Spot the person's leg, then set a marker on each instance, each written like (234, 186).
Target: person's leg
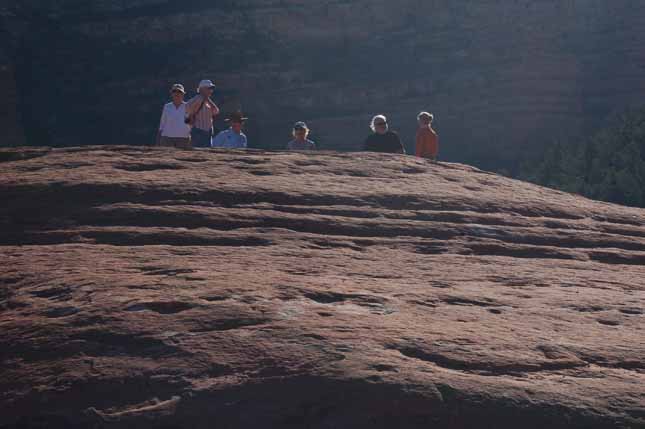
(196, 137)
(183, 143)
(166, 142)
(200, 138)
(204, 138)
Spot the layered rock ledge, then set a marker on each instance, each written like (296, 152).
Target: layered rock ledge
(167, 289)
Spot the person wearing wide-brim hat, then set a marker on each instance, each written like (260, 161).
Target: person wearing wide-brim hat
(173, 130)
(233, 138)
(201, 111)
(300, 140)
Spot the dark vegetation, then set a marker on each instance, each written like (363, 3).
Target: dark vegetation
(608, 166)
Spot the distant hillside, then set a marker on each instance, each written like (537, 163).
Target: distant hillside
(503, 78)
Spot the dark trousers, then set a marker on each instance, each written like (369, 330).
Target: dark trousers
(201, 138)
(178, 142)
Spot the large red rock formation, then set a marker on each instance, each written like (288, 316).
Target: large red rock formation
(167, 289)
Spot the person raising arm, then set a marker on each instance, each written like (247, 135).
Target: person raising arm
(201, 113)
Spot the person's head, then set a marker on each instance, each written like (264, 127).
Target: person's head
(177, 93)
(206, 88)
(425, 119)
(300, 131)
(379, 124)
(236, 126)
(236, 121)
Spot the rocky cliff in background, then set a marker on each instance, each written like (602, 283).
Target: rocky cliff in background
(503, 77)
(169, 290)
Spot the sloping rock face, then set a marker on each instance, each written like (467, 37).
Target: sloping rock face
(504, 78)
(167, 289)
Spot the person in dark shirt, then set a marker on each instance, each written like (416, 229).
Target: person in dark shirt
(382, 139)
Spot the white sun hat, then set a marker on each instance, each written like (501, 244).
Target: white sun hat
(205, 84)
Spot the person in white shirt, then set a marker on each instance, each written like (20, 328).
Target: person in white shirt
(173, 130)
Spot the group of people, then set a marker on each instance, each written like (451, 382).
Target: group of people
(385, 140)
(187, 124)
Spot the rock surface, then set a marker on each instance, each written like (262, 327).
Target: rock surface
(504, 78)
(167, 289)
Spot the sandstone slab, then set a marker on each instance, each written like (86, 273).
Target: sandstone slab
(168, 289)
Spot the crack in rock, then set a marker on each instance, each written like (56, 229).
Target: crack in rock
(489, 367)
(162, 307)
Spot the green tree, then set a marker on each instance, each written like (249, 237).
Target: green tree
(609, 166)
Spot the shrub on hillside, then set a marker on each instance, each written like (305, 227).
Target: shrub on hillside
(609, 166)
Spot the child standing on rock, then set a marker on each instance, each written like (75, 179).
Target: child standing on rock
(427, 140)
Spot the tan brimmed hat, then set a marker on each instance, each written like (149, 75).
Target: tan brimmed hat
(178, 87)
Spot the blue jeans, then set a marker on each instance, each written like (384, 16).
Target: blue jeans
(201, 138)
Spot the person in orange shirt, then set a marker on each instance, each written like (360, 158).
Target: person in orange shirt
(427, 139)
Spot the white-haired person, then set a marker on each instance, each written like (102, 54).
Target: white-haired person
(300, 140)
(173, 130)
(382, 139)
(427, 145)
(201, 111)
